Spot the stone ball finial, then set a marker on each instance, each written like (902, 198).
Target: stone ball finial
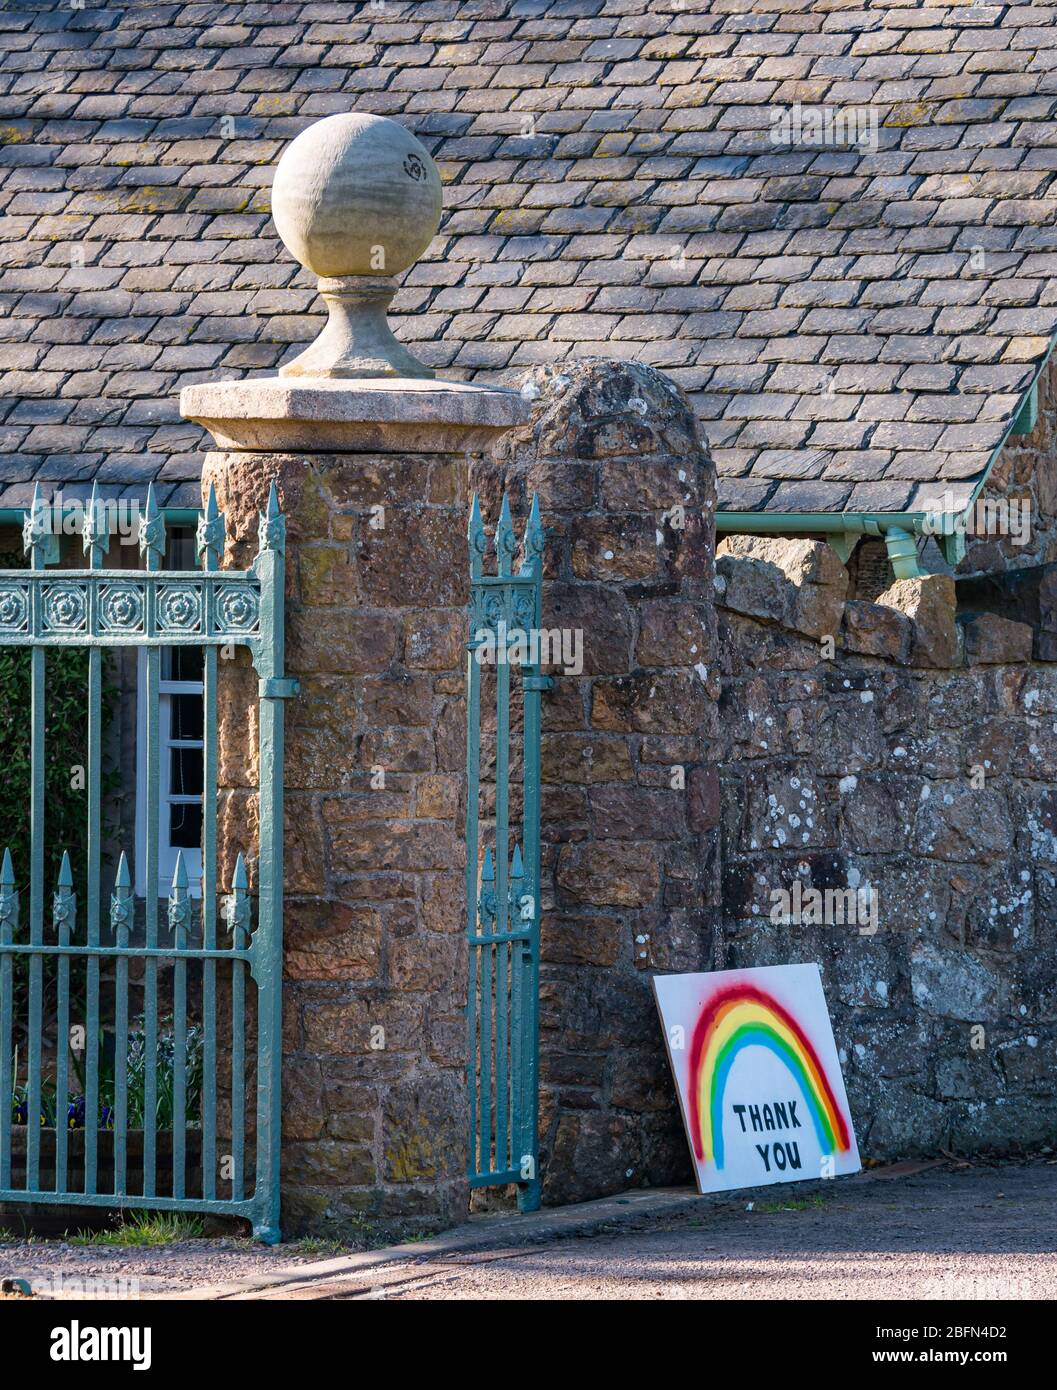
(356, 195)
(356, 199)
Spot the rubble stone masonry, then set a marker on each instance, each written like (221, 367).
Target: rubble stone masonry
(906, 748)
(915, 756)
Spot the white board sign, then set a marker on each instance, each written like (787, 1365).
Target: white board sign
(758, 1077)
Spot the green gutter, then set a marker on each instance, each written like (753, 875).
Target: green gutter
(781, 523)
(842, 530)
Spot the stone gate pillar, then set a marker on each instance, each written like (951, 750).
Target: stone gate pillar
(371, 470)
(630, 794)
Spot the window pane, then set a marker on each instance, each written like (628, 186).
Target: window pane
(185, 827)
(186, 716)
(180, 552)
(186, 772)
(181, 663)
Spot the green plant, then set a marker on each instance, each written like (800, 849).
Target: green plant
(165, 1076)
(20, 1097)
(317, 1245)
(791, 1204)
(165, 1080)
(144, 1228)
(136, 1076)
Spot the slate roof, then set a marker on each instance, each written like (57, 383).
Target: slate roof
(856, 326)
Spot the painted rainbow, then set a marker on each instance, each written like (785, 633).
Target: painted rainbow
(743, 1016)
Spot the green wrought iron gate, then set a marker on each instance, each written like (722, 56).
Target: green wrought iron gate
(503, 880)
(131, 1037)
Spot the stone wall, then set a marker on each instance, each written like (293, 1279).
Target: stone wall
(737, 725)
(630, 797)
(374, 1041)
(913, 754)
(921, 760)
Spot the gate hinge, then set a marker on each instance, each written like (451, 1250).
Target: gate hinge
(279, 688)
(538, 682)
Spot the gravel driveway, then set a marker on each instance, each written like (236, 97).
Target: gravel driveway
(54, 1268)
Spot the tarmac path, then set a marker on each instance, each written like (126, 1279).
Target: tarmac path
(976, 1233)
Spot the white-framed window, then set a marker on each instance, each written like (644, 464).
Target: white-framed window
(181, 714)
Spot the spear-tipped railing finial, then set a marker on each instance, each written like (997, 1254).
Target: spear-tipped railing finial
(505, 539)
(121, 902)
(517, 879)
(179, 877)
(152, 531)
(179, 902)
(477, 537)
(237, 907)
(271, 528)
(211, 533)
(532, 549)
(8, 898)
(95, 532)
(38, 539)
(486, 901)
(63, 905)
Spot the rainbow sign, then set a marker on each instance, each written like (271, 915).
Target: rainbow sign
(759, 1082)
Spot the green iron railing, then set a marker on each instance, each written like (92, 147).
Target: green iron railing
(82, 978)
(503, 882)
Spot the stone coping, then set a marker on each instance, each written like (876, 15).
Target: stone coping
(384, 415)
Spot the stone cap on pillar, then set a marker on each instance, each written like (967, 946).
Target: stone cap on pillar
(393, 415)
